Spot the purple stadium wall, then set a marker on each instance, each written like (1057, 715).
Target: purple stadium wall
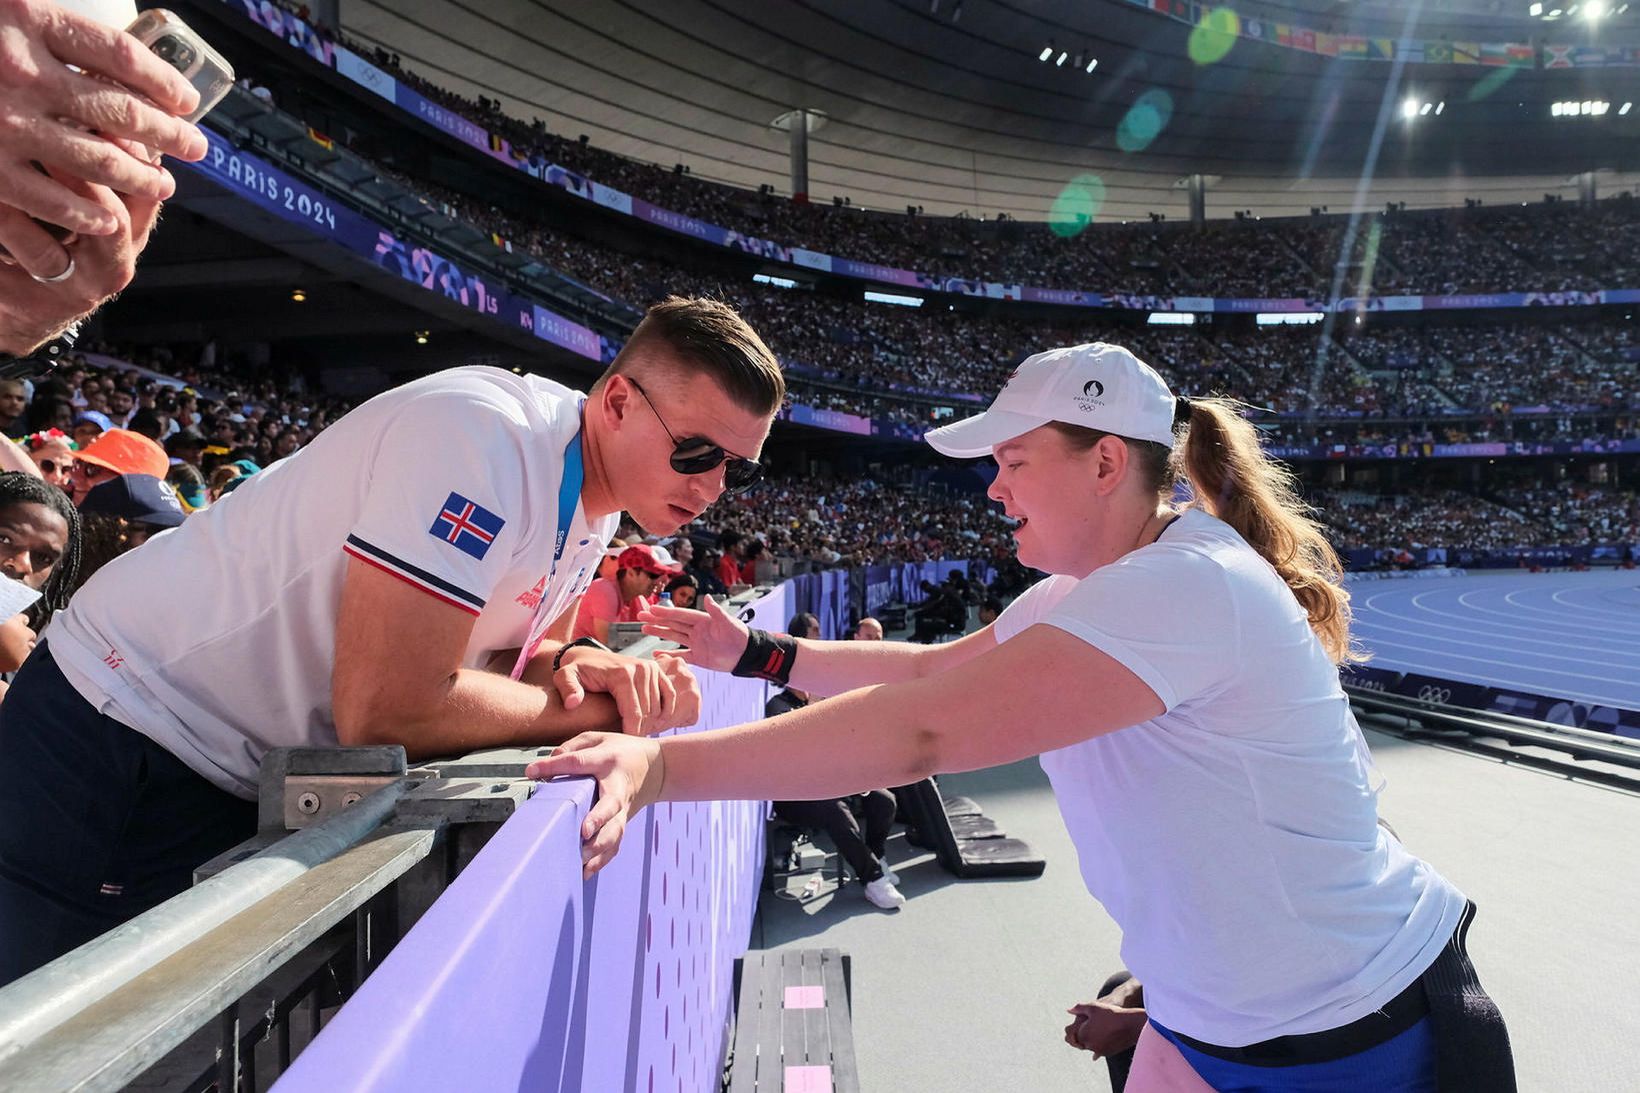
(522, 977)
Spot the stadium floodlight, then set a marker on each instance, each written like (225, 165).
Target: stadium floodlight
(1093, 63)
(777, 282)
(1535, 10)
(1600, 108)
(1556, 109)
(1425, 109)
(893, 298)
(1063, 57)
(1172, 318)
(1409, 108)
(1047, 51)
(1571, 10)
(1625, 108)
(1594, 10)
(1555, 14)
(1288, 318)
(1439, 107)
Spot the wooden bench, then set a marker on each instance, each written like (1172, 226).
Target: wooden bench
(793, 1031)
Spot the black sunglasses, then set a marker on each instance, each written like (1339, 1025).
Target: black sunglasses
(697, 455)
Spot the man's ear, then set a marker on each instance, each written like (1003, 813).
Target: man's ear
(612, 400)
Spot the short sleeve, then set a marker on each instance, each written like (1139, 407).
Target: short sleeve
(445, 506)
(1031, 607)
(601, 601)
(1167, 616)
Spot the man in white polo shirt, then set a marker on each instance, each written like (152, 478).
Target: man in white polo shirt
(381, 586)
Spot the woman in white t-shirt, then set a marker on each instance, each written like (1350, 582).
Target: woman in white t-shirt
(1178, 675)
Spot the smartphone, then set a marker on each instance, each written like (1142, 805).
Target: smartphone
(176, 43)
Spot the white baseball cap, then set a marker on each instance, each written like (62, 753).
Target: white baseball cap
(1097, 386)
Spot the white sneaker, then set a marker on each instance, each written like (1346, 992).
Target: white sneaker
(888, 872)
(883, 893)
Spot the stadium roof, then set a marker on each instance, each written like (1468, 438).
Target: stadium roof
(945, 103)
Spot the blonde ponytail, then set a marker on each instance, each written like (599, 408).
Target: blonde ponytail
(1235, 481)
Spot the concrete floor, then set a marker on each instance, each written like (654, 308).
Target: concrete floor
(964, 990)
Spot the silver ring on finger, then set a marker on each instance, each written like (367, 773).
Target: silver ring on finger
(60, 278)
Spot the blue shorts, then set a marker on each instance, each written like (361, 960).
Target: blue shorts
(1403, 1064)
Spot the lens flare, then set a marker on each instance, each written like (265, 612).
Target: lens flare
(1144, 121)
(1077, 205)
(1492, 81)
(1214, 37)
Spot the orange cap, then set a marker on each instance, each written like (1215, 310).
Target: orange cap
(125, 452)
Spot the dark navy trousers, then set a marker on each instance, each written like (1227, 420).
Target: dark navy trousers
(97, 822)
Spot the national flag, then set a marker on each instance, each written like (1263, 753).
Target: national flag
(1252, 28)
(1466, 53)
(1284, 34)
(1410, 51)
(1494, 53)
(320, 139)
(1438, 53)
(1380, 49)
(1326, 44)
(1520, 53)
(1304, 38)
(1352, 47)
(467, 526)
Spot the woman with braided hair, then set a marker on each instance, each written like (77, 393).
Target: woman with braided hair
(39, 541)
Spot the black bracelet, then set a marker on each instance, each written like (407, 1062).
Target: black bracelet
(767, 656)
(558, 658)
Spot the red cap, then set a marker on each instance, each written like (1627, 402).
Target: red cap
(642, 557)
(125, 452)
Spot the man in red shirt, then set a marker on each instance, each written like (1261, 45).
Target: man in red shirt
(639, 577)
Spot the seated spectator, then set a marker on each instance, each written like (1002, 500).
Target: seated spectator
(840, 816)
(53, 453)
(40, 541)
(49, 413)
(639, 577)
(186, 445)
(731, 567)
(123, 512)
(869, 629)
(13, 406)
(705, 571)
(116, 452)
(684, 589)
(216, 485)
(88, 426)
(189, 485)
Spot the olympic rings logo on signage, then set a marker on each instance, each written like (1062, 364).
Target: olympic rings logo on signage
(1439, 696)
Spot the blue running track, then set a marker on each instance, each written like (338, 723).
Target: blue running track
(1563, 635)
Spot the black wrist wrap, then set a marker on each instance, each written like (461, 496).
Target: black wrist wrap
(767, 656)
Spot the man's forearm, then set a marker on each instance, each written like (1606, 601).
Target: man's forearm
(487, 710)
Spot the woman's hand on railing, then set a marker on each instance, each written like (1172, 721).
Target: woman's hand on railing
(712, 638)
(630, 772)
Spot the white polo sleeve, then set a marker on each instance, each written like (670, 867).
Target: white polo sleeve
(445, 510)
(1031, 607)
(1167, 616)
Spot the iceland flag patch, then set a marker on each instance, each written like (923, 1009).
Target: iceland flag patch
(466, 526)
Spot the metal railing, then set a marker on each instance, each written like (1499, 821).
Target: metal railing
(1508, 737)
